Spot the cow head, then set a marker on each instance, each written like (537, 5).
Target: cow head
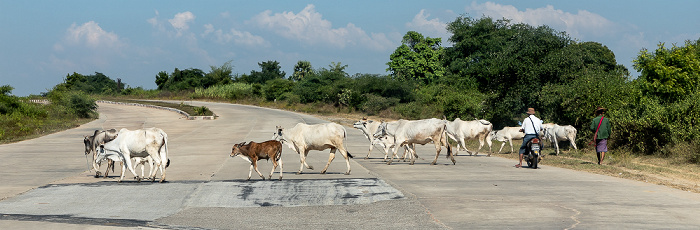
(278, 133)
(236, 150)
(360, 124)
(88, 144)
(381, 130)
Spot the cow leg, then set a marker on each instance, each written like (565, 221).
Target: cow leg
(502, 144)
(274, 166)
(511, 145)
(556, 144)
(303, 160)
(488, 141)
(250, 172)
(396, 149)
(347, 159)
(95, 164)
(331, 156)
(255, 166)
(573, 142)
(371, 146)
(129, 165)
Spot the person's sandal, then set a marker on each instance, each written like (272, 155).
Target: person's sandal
(518, 166)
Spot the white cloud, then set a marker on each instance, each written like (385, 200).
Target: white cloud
(308, 26)
(428, 27)
(578, 25)
(242, 38)
(180, 22)
(91, 35)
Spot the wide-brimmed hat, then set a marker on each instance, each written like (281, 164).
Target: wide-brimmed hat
(531, 111)
(600, 109)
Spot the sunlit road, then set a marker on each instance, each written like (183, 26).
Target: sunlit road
(45, 183)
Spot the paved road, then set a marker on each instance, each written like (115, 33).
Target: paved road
(207, 189)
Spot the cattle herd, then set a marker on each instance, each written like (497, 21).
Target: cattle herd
(138, 147)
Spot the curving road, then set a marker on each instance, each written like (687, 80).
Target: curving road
(45, 183)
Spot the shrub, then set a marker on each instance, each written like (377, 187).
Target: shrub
(273, 89)
(375, 104)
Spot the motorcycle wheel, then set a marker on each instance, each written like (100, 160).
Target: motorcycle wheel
(529, 161)
(535, 160)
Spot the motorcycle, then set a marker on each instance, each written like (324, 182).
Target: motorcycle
(532, 155)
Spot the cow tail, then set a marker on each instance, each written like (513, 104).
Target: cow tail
(279, 152)
(165, 147)
(446, 142)
(345, 137)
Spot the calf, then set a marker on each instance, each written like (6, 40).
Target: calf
(368, 128)
(253, 152)
(508, 134)
(93, 142)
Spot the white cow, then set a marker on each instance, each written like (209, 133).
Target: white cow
(143, 143)
(408, 133)
(302, 138)
(368, 128)
(508, 134)
(556, 133)
(459, 131)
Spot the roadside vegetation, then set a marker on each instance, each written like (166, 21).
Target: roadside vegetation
(494, 70)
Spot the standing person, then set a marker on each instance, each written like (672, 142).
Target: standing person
(601, 126)
(531, 127)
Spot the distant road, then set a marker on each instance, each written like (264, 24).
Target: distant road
(45, 183)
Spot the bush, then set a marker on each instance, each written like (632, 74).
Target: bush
(273, 89)
(375, 104)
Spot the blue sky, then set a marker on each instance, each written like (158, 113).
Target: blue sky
(43, 41)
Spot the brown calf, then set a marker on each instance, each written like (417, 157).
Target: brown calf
(253, 152)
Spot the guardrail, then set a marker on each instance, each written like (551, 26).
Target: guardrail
(187, 116)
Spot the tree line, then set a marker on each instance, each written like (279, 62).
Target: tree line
(494, 70)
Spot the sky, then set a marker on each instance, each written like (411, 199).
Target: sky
(41, 42)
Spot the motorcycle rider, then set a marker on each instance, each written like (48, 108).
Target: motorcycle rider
(531, 127)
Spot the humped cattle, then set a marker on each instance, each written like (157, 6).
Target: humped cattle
(93, 143)
(302, 138)
(460, 131)
(556, 133)
(253, 152)
(142, 143)
(409, 133)
(368, 128)
(508, 134)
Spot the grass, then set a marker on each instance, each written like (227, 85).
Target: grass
(622, 164)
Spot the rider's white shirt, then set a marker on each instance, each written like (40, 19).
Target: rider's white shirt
(527, 125)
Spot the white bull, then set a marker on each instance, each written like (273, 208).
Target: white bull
(143, 143)
(386, 143)
(556, 133)
(460, 131)
(302, 138)
(409, 133)
(508, 134)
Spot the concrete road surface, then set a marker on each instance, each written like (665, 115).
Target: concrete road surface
(45, 183)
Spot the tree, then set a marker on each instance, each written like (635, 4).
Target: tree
(418, 58)
(504, 60)
(301, 69)
(219, 75)
(269, 70)
(161, 79)
(671, 74)
(97, 83)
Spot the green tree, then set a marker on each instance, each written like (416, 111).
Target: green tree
(504, 60)
(161, 79)
(418, 58)
(219, 75)
(671, 74)
(269, 70)
(301, 69)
